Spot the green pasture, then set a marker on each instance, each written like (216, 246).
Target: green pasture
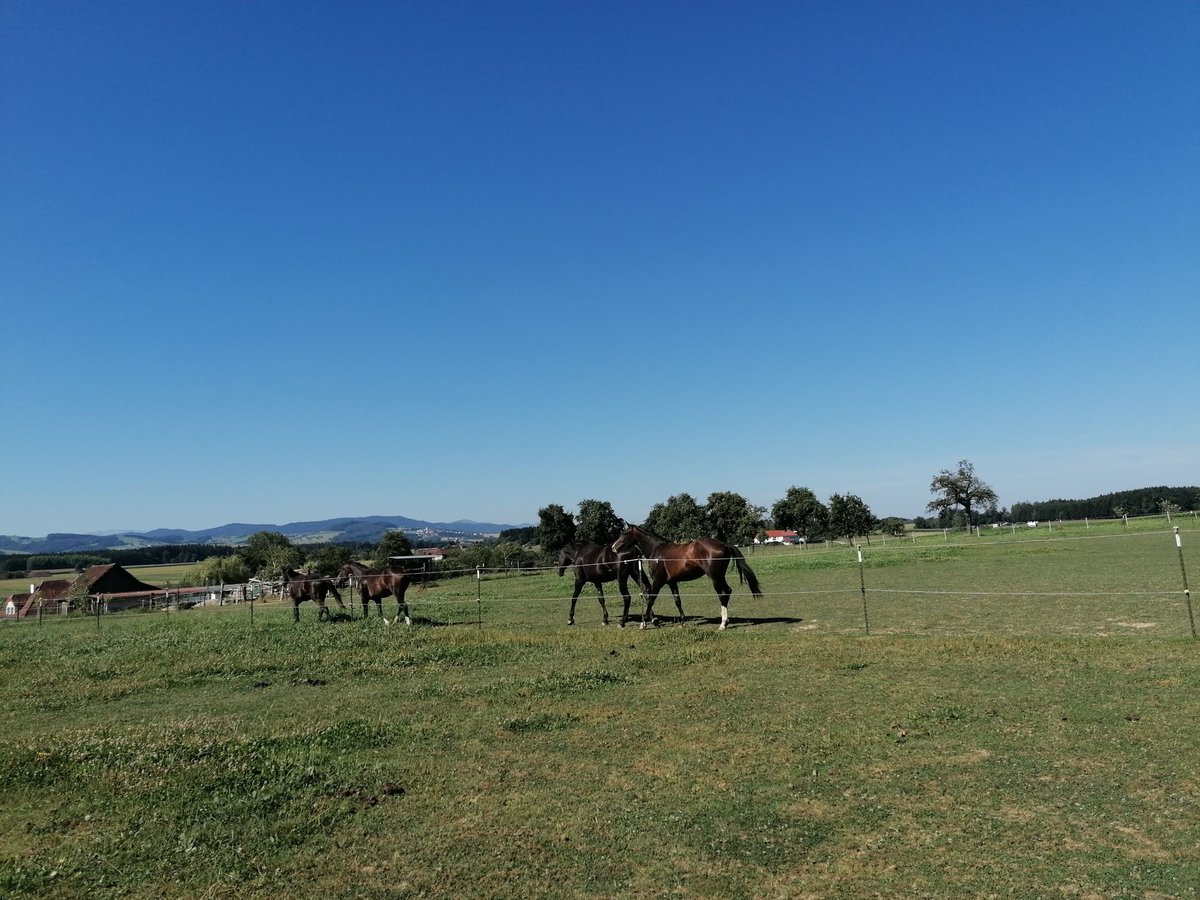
(1021, 721)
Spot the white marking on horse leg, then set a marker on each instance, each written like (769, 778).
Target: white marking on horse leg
(407, 620)
(724, 617)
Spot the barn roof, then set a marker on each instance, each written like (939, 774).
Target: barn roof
(53, 589)
(111, 579)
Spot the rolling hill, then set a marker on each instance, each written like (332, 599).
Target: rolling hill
(340, 530)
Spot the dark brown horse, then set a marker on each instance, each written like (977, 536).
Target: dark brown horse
(375, 584)
(301, 587)
(596, 564)
(673, 563)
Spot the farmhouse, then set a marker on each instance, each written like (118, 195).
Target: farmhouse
(117, 588)
(18, 606)
(780, 537)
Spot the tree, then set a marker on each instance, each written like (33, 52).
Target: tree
(268, 553)
(556, 528)
(802, 512)
(393, 543)
(732, 518)
(1169, 508)
(960, 488)
(893, 526)
(327, 559)
(78, 597)
(526, 534)
(680, 519)
(848, 515)
(597, 523)
(221, 570)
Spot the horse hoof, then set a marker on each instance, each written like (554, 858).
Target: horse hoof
(570, 621)
(643, 626)
(407, 620)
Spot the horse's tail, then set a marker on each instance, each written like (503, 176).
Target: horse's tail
(745, 573)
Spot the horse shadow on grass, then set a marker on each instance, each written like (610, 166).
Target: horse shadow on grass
(734, 622)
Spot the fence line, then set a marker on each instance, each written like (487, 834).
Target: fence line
(697, 593)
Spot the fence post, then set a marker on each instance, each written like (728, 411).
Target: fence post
(1187, 595)
(479, 596)
(862, 584)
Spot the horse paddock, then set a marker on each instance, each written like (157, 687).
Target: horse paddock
(1001, 730)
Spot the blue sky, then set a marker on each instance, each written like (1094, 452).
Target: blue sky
(274, 261)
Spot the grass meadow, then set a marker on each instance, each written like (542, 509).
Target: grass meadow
(1022, 720)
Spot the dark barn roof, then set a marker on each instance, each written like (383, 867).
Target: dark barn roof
(112, 579)
(53, 589)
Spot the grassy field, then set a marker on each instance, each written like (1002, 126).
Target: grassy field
(1022, 721)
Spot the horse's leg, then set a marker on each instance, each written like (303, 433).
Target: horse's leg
(723, 593)
(365, 596)
(678, 603)
(295, 610)
(648, 613)
(623, 587)
(401, 603)
(603, 608)
(579, 583)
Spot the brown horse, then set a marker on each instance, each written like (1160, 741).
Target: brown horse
(375, 584)
(596, 564)
(301, 587)
(673, 563)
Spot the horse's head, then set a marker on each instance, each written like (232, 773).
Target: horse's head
(566, 556)
(627, 539)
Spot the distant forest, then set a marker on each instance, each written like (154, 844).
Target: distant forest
(1142, 502)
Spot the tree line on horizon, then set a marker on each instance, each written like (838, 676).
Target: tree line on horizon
(1141, 502)
(960, 499)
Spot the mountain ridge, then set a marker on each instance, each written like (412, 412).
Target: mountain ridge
(340, 529)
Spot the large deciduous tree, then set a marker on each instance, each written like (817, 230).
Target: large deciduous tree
(850, 516)
(327, 559)
(680, 519)
(802, 512)
(597, 523)
(392, 543)
(732, 518)
(960, 488)
(221, 570)
(556, 528)
(268, 553)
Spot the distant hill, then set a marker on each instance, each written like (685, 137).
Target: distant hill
(367, 529)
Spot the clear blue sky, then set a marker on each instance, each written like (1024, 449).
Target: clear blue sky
(274, 261)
